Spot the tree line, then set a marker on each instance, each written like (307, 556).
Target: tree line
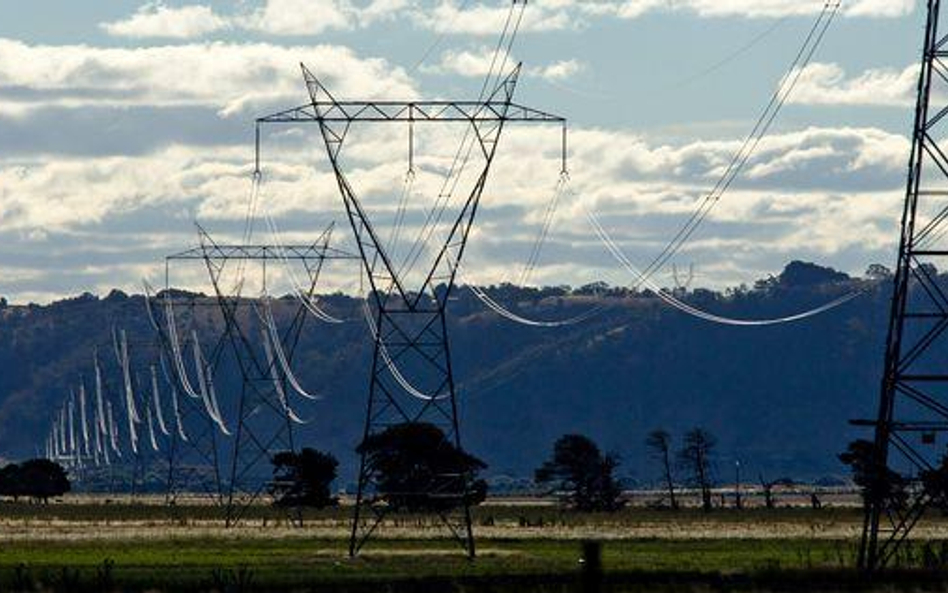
(584, 477)
(415, 467)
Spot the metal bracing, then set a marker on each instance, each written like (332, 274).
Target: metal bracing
(128, 392)
(303, 253)
(261, 424)
(193, 450)
(410, 111)
(411, 377)
(913, 401)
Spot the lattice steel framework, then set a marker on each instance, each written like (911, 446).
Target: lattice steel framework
(142, 355)
(410, 327)
(913, 402)
(263, 425)
(193, 464)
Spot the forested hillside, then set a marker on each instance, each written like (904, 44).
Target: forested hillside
(778, 398)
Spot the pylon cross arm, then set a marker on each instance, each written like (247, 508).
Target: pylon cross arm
(411, 111)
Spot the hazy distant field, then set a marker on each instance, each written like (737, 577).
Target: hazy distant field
(93, 546)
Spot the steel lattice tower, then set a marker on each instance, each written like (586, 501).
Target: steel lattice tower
(913, 402)
(192, 450)
(262, 425)
(409, 318)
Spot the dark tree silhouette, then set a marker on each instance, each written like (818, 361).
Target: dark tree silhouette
(659, 443)
(878, 272)
(42, 479)
(935, 483)
(767, 486)
(875, 482)
(303, 479)
(798, 273)
(697, 457)
(583, 473)
(10, 481)
(417, 469)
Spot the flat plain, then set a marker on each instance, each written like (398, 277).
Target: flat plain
(87, 543)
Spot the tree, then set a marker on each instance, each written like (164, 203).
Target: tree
(878, 272)
(798, 273)
(935, 483)
(10, 481)
(417, 469)
(768, 489)
(42, 479)
(875, 481)
(696, 457)
(659, 443)
(303, 479)
(581, 471)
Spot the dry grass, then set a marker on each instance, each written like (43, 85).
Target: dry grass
(152, 546)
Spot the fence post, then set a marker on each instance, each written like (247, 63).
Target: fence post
(592, 567)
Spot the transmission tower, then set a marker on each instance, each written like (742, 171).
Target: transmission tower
(193, 455)
(408, 315)
(264, 422)
(913, 402)
(133, 360)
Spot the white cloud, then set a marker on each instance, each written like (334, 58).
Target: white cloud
(881, 8)
(481, 19)
(560, 70)
(478, 63)
(314, 17)
(224, 76)
(382, 10)
(823, 190)
(155, 19)
(301, 17)
(780, 8)
(272, 17)
(470, 63)
(551, 15)
(828, 84)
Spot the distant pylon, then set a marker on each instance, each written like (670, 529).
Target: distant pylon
(262, 423)
(913, 401)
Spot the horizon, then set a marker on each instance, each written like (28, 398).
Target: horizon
(691, 287)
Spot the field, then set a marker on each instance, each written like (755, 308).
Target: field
(83, 544)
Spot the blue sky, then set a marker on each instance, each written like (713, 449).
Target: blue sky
(122, 122)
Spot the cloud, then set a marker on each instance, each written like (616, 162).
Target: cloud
(315, 17)
(881, 8)
(560, 70)
(828, 84)
(818, 192)
(226, 76)
(478, 63)
(155, 19)
(446, 16)
(480, 19)
(301, 17)
(774, 8)
(272, 17)
(382, 10)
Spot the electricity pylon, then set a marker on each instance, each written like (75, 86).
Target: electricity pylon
(913, 402)
(262, 423)
(193, 465)
(412, 380)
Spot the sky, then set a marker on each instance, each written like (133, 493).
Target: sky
(123, 123)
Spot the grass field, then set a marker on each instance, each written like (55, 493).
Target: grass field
(120, 546)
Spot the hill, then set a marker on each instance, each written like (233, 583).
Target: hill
(778, 398)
